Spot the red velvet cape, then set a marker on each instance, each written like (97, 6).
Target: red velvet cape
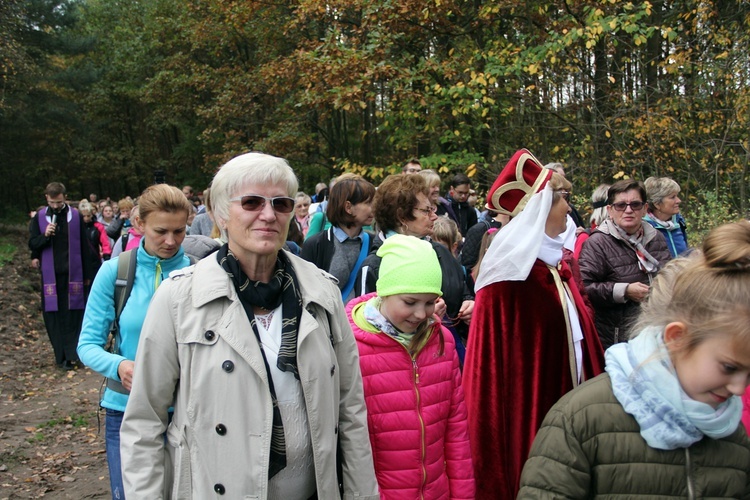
(516, 368)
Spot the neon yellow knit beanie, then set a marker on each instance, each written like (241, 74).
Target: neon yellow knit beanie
(409, 265)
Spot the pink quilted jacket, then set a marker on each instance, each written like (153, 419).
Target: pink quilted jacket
(416, 415)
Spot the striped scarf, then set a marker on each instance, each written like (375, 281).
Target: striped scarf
(282, 290)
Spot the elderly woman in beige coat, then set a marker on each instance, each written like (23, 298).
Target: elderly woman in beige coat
(253, 350)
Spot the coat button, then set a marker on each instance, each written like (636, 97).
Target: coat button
(219, 488)
(221, 429)
(227, 366)
(209, 335)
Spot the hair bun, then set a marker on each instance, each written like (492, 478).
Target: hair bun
(727, 248)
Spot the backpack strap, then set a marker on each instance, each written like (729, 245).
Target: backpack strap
(126, 265)
(362, 255)
(124, 283)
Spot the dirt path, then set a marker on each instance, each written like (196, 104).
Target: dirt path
(50, 442)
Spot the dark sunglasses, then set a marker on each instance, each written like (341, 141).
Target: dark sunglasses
(634, 205)
(565, 195)
(255, 202)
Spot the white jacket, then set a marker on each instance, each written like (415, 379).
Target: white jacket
(198, 353)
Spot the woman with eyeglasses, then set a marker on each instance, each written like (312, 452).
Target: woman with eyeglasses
(402, 206)
(620, 260)
(341, 249)
(253, 350)
(532, 337)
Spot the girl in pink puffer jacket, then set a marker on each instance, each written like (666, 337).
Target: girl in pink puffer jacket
(412, 382)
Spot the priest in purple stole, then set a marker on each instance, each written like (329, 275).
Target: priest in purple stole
(57, 240)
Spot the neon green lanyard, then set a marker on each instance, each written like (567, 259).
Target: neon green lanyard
(157, 276)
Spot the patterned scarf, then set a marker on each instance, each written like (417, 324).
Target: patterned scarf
(375, 318)
(668, 225)
(282, 290)
(646, 260)
(646, 385)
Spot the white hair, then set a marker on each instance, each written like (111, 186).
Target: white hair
(249, 168)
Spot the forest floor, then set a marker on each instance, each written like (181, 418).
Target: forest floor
(51, 435)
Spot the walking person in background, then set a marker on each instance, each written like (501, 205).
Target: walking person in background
(664, 421)
(412, 381)
(122, 222)
(96, 237)
(302, 213)
(58, 240)
(341, 249)
(664, 212)
(132, 238)
(456, 206)
(252, 349)
(163, 213)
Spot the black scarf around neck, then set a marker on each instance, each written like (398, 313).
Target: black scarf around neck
(282, 290)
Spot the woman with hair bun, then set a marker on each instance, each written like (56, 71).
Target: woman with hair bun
(664, 421)
(163, 218)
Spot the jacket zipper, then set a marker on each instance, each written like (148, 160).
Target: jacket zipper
(421, 428)
(688, 469)
(617, 334)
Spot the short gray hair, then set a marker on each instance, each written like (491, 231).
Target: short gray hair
(301, 195)
(658, 188)
(249, 168)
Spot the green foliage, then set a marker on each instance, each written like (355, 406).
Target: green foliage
(100, 94)
(706, 212)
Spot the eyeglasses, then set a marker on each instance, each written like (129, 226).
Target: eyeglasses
(634, 205)
(255, 202)
(565, 195)
(427, 211)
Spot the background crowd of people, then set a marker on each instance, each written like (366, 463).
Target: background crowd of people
(399, 342)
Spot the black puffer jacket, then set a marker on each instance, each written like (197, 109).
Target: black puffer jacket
(588, 447)
(608, 264)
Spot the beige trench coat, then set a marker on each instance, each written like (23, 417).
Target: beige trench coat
(198, 353)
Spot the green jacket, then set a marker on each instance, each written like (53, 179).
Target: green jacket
(588, 447)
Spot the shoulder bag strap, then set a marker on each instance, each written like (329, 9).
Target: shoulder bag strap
(362, 255)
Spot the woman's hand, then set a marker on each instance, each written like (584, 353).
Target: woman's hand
(467, 308)
(125, 372)
(440, 307)
(636, 292)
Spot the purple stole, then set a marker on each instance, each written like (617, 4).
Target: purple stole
(75, 265)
